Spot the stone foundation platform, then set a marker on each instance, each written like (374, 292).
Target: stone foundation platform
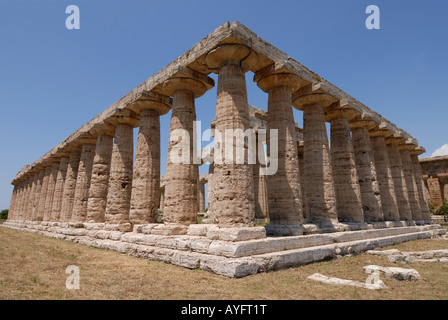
(230, 252)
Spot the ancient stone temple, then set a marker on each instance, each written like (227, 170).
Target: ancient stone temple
(435, 176)
(279, 195)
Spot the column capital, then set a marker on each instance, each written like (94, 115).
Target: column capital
(380, 130)
(151, 100)
(103, 128)
(231, 53)
(312, 94)
(276, 75)
(395, 138)
(341, 109)
(123, 116)
(418, 150)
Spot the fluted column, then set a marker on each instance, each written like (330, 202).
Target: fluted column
(33, 195)
(418, 176)
(20, 196)
(99, 182)
(396, 165)
(365, 165)
(59, 189)
(12, 203)
(43, 194)
(29, 183)
(283, 187)
(146, 178)
(233, 189)
(201, 197)
(444, 180)
(384, 175)
(50, 190)
(120, 179)
(345, 176)
(38, 194)
(81, 195)
(411, 184)
(68, 195)
(320, 195)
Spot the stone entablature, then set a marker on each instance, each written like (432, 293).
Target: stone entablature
(435, 175)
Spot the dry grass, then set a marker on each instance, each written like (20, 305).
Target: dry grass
(33, 267)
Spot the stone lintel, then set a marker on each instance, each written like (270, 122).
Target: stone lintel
(235, 53)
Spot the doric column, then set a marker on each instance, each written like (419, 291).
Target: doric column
(283, 187)
(50, 190)
(99, 182)
(81, 195)
(384, 174)
(320, 194)
(418, 176)
(59, 189)
(181, 189)
(209, 216)
(301, 174)
(20, 196)
(233, 189)
(120, 179)
(411, 184)
(12, 204)
(146, 178)
(444, 180)
(396, 166)
(35, 210)
(345, 176)
(43, 193)
(68, 195)
(29, 184)
(33, 195)
(365, 165)
(201, 196)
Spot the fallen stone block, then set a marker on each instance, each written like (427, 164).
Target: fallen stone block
(395, 273)
(336, 281)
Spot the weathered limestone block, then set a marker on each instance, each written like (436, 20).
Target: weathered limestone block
(59, 189)
(146, 176)
(283, 187)
(384, 175)
(81, 195)
(365, 165)
(70, 185)
(337, 281)
(418, 176)
(401, 191)
(120, 179)
(233, 190)
(345, 176)
(99, 182)
(320, 194)
(411, 184)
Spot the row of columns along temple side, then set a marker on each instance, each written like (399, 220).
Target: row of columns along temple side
(364, 174)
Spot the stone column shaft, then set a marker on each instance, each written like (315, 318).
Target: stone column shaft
(59, 190)
(233, 190)
(70, 186)
(43, 194)
(99, 182)
(401, 192)
(81, 195)
(181, 189)
(411, 185)
(146, 177)
(385, 180)
(418, 176)
(201, 197)
(50, 191)
(345, 176)
(12, 203)
(319, 185)
(120, 179)
(35, 211)
(370, 193)
(33, 195)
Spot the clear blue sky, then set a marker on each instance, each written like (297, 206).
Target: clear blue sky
(53, 80)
